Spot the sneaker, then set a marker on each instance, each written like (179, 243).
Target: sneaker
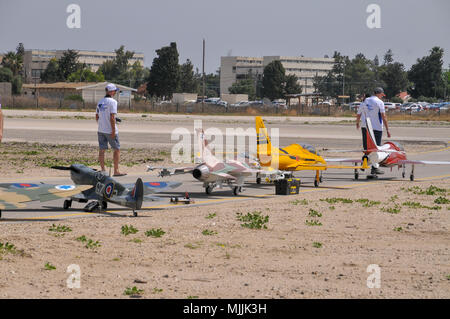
(376, 171)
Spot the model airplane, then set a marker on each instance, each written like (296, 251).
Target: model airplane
(212, 171)
(390, 154)
(14, 195)
(103, 189)
(295, 157)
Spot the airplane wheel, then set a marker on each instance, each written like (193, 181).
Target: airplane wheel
(356, 175)
(316, 183)
(237, 190)
(258, 180)
(403, 175)
(411, 177)
(208, 189)
(135, 213)
(104, 205)
(67, 204)
(320, 179)
(0, 214)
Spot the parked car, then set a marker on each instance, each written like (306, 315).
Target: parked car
(389, 106)
(279, 103)
(222, 103)
(240, 104)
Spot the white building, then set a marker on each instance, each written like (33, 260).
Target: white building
(235, 68)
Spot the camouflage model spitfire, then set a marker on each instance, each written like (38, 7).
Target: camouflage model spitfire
(14, 195)
(212, 171)
(103, 189)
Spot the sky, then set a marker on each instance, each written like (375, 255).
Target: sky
(231, 27)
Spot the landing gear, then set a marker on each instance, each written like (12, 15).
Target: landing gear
(0, 214)
(104, 205)
(208, 189)
(318, 179)
(67, 204)
(258, 178)
(90, 207)
(411, 177)
(356, 173)
(237, 190)
(135, 213)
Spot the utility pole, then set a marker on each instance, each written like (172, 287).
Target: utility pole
(203, 71)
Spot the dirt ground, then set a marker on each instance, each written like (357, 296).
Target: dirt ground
(316, 245)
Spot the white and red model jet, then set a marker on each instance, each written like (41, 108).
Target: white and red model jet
(390, 154)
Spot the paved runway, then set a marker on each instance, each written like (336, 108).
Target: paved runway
(148, 133)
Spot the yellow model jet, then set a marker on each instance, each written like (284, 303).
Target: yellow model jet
(295, 157)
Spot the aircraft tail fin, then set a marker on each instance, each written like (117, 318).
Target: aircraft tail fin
(263, 144)
(205, 153)
(136, 196)
(370, 137)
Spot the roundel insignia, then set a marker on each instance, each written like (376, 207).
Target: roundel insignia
(24, 185)
(156, 184)
(109, 190)
(65, 187)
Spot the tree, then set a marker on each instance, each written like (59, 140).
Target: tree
(86, 75)
(274, 80)
(68, 64)
(292, 86)
(13, 62)
(51, 73)
(164, 73)
(188, 82)
(6, 75)
(393, 75)
(245, 86)
(426, 75)
(388, 57)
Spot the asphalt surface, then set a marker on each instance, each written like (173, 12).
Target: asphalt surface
(147, 133)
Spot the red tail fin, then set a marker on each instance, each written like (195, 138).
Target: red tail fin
(370, 137)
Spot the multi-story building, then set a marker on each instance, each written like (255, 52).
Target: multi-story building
(36, 61)
(234, 68)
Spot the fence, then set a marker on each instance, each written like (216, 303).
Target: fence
(21, 102)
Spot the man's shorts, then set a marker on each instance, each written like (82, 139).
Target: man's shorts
(105, 138)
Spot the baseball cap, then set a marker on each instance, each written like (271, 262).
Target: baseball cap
(379, 90)
(111, 87)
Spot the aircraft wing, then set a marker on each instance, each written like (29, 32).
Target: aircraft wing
(13, 195)
(343, 160)
(167, 171)
(423, 162)
(155, 187)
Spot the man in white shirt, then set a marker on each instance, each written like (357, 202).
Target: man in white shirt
(373, 107)
(107, 128)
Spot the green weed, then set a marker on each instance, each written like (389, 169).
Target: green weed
(60, 228)
(127, 230)
(207, 232)
(441, 200)
(155, 232)
(335, 200)
(211, 216)
(314, 213)
(317, 245)
(300, 202)
(253, 220)
(313, 223)
(49, 266)
(134, 291)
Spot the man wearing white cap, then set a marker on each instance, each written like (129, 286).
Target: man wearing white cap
(108, 132)
(373, 107)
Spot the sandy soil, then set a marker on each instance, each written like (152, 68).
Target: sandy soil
(411, 247)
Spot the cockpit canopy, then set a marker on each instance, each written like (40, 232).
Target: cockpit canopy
(309, 148)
